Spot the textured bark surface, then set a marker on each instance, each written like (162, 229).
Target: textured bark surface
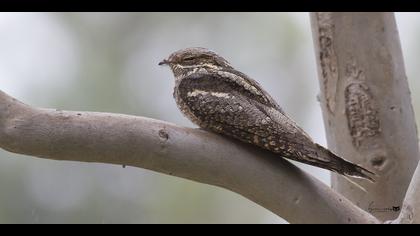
(366, 105)
(194, 154)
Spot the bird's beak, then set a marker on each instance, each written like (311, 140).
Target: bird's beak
(164, 62)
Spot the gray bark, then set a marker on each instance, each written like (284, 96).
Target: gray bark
(410, 213)
(194, 154)
(366, 105)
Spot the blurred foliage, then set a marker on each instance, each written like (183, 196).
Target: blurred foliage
(108, 62)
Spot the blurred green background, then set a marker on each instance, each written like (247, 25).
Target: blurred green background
(108, 62)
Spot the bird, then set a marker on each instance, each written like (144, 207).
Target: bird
(215, 96)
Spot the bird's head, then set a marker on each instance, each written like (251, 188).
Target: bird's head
(190, 60)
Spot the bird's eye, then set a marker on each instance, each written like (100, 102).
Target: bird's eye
(188, 58)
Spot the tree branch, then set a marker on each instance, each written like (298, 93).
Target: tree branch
(366, 104)
(410, 212)
(194, 154)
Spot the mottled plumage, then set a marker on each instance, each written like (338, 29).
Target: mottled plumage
(216, 97)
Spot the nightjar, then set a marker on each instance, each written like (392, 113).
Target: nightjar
(218, 98)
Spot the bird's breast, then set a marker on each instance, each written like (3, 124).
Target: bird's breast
(185, 108)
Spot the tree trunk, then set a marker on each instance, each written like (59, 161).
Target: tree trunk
(366, 105)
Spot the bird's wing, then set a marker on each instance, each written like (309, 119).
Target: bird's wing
(232, 80)
(244, 113)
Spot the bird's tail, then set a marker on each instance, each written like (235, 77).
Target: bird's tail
(345, 167)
